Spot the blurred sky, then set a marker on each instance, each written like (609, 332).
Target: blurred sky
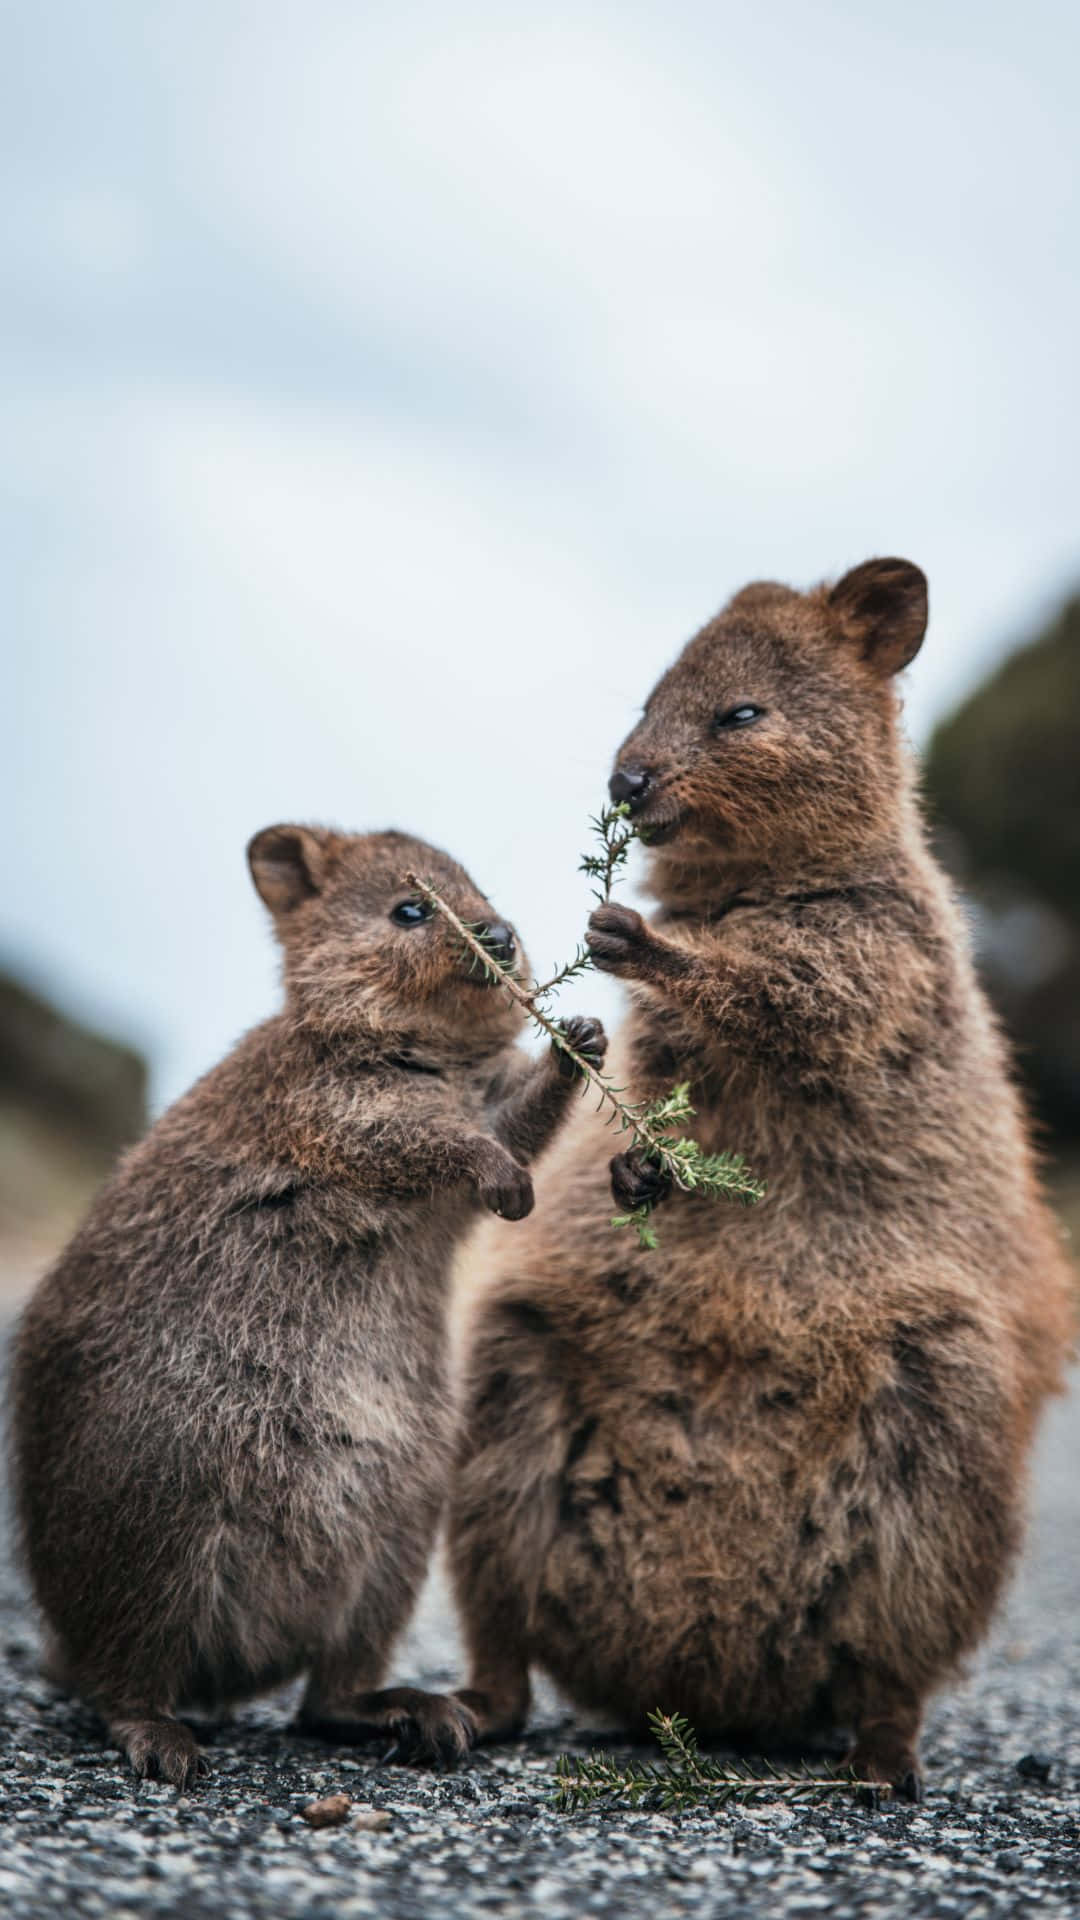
(389, 389)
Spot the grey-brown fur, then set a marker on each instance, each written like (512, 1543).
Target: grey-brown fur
(232, 1418)
(770, 1476)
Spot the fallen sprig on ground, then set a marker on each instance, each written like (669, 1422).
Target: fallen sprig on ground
(686, 1777)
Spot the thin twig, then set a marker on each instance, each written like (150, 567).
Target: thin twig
(724, 1172)
(686, 1777)
(654, 1124)
(505, 978)
(616, 833)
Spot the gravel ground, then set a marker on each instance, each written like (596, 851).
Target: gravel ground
(993, 1837)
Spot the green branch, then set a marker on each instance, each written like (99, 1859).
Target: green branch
(616, 837)
(653, 1124)
(686, 1777)
(616, 834)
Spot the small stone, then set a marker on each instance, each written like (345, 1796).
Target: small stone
(331, 1812)
(703, 1868)
(370, 1819)
(1035, 1766)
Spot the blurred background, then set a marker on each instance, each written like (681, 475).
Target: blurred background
(390, 390)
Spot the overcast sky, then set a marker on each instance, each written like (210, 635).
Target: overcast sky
(389, 390)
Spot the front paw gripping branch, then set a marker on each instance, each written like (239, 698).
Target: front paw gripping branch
(653, 1124)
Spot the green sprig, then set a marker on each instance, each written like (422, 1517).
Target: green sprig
(718, 1176)
(654, 1124)
(616, 834)
(686, 1777)
(616, 837)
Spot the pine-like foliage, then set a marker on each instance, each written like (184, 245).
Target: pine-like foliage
(616, 836)
(685, 1777)
(721, 1176)
(653, 1124)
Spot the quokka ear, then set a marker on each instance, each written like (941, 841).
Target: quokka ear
(882, 608)
(288, 865)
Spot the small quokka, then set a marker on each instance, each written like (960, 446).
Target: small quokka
(771, 1475)
(232, 1415)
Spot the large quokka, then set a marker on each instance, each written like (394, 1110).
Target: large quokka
(232, 1418)
(771, 1475)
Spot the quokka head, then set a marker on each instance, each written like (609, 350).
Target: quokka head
(364, 952)
(774, 736)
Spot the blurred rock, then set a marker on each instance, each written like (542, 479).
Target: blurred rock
(333, 1811)
(1002, 779)
(92, 1086)
(70, 1099)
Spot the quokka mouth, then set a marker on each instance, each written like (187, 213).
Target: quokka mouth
(656, 833)
(474, 975)
(658, 817)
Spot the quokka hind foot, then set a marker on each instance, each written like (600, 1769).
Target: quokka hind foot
(885, 1758)
(160, 1748)
(423, 1728)
(495, 1716)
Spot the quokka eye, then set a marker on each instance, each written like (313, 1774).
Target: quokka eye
(743, 715)
(409, 913)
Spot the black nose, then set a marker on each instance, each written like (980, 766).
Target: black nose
(498, 939)
(629, 784)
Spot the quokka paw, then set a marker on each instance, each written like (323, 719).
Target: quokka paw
(886, 1772)
(618, 939)
(507, 1188)
(636, 1181)
(587, 1037)
(160, 1748)
(433, 1729)
(436, 1729)
(495, 1716)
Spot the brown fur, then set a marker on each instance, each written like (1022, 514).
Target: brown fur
(232, 1421)
(771, 1475)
